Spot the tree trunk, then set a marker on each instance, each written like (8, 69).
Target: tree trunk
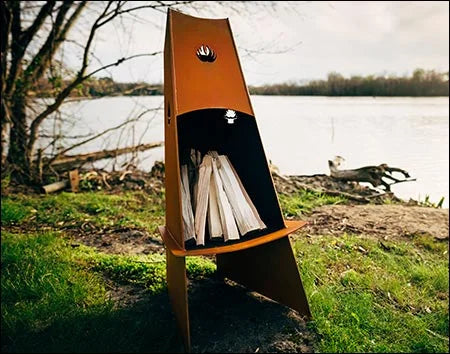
(4, 133)
(18, 154)
(5, 22)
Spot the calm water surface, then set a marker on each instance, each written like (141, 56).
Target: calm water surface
(301, 133)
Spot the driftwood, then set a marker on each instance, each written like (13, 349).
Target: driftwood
(334, 193)
(370, 174)
(325, 184)
(70, 161)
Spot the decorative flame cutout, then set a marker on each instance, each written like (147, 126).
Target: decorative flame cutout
(205, 53)
(230, 116)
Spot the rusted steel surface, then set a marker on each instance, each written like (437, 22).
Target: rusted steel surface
(177, 285)
(271, 270)
(172, 167)
(191, 84)
(197, 92)
(202, 79)
(291, 226)
(204, 84)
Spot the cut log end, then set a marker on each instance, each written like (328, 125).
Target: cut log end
(54, 187)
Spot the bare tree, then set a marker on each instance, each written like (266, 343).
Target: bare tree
(32, 33)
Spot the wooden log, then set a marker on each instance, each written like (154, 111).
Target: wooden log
(229, 227)
(74, 180)
(187, 213)
(54, 187)
(214, 223)
(246, 215)
(204, 182)
(70, 161)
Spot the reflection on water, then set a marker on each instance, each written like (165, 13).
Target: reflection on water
(300, 134)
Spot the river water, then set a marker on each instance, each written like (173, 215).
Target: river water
(301, 133)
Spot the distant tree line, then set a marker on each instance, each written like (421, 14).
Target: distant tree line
(98, 87)
(421, 83)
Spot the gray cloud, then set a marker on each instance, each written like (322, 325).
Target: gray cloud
(353, 38)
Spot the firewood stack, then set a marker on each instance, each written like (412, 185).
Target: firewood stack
(214, 197)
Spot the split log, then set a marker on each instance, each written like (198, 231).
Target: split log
(75, 161)
(370, 174)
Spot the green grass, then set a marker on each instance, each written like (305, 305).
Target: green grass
(368, 299)
(41, 286)
(13, 212)
(305, 201)
(364, 296)
(50, 289)
(146, 270)
(69, 210)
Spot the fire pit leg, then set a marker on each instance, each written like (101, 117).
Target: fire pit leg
(177, 285)
(271, 270)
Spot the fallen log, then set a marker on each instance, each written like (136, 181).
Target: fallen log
(291, 181)
(54, 187)
(333, 192)
(370, 174)
(73, 180)
(75, 161)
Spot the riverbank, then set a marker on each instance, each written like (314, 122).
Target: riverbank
(86, 272)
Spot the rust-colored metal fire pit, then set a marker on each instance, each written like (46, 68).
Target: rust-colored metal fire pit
(202, 80)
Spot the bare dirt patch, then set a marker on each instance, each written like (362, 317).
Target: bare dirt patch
(383, 221)
(228, 318)
(126, 241)
(224, 317)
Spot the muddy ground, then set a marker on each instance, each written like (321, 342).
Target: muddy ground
(389, 222)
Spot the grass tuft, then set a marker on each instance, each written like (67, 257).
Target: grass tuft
(305, 201)
(41, 285)
(381, 301)
(101, 210)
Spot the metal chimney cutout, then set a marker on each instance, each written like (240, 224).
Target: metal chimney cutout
(207, 107)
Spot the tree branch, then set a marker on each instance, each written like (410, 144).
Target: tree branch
(16, 50)
(64, 93)
(100, 21)
(43, 57)
(94, 28)
(21, 40)
(61, 153)
(120, 61)
(28, 34)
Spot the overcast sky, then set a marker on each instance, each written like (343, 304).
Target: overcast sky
(301, 40)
